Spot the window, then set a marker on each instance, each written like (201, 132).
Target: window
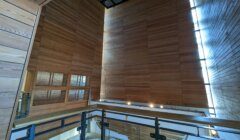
(75, 95)
(78, 80)
(53, 87)
(79, 88)
(50, 79)
(42, 97)
(43, 78)
(199, 34)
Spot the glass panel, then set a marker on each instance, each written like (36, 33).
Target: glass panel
(75, 95)
(127, 131)
(78, 80)
(43, 78)
(192, 4)
(194, 15)
(74, 80)
(204, 72)
(42, 97)
(84, 81)
(93, 130)
(57, 79)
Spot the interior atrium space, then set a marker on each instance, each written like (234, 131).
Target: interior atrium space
(119, 69)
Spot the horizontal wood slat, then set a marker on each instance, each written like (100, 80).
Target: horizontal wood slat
(28, 5)
(14, 12)
(150, 54)
(17, 18)
(11, 70)
(69, 40)
(15, 27)
(14, 41)
(12, 55)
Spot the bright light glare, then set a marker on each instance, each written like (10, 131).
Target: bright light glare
(194, 15)
(192, 4)
(204, 72)
(151, 105)
(214, 132)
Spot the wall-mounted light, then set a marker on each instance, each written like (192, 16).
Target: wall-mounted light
(151, 105)
(161, 106)
(129, 103)
(100, 100)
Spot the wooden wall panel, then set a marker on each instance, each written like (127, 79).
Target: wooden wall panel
(16, 30)
(150, 54)
(220, 26)
(69, 40)
(15, 27)
(17, 13)
(28, 5)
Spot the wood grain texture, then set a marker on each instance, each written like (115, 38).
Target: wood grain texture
(14, 41)
(12, 55)
(52, 108)
(150, 54)
(16, 27)
(10, 70)
(220, 25)
(28, 5)
(13, 26)
(69, 40)
(19, 14)
(3, 131)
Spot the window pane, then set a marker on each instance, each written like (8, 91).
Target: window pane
(78, 80)
(75, 95)
(84, 80)
(43, 78)
(74, 80)
(42, 97)
(57, 79)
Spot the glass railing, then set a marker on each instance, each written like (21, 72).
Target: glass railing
(23, 105)
(109, 125)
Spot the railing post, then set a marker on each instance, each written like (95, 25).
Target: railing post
(103, 125)
(28, 103)
(157, 135)
(62, 123)
(32, 132)
(83, 126)
(156, 129)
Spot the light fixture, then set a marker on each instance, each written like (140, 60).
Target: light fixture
(129, 103)
(111, 3)
(151, 105)
(100, 100)
(213, 132)
(161, 106)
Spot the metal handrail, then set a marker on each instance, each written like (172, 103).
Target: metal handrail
(63, 124)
